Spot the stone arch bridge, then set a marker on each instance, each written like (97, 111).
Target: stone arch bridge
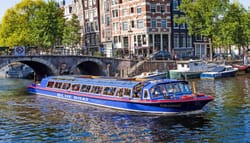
(45, 65)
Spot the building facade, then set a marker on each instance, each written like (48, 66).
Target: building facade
(135, 27)
(128, 28)
(182, 43)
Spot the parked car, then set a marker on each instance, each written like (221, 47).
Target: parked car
(188, 57)
(161, 55)
(225, 56)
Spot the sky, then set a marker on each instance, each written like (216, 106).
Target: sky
(5, 4)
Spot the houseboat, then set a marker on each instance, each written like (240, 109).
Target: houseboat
(190, 69)
(162, 96)
(220, 72)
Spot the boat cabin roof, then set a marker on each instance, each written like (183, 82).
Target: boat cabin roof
(102, 81)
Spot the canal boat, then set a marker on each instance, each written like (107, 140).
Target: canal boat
(190, 69)
(162, 96)
(242, 69)
(220, 72)
(153, 75)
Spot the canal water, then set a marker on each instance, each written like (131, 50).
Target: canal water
(32, 118)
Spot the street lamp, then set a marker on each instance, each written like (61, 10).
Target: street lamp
(130, 42)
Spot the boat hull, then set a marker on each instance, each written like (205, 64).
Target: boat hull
(157, 107)
(174, 74)
(215, 75)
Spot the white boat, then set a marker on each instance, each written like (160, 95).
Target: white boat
(220, 72)
(153, 75)
(190, 69)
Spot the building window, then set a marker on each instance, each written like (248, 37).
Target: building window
(96, 26)
(125, 26)
(90, 3)
(132, 23)
(153, 8)
(85, 3)
(198, 37)
(115, 13)
(175, 4)
(107, 7)
(182, 40)
(86, 14)
(116, 26)
(176, 40)
(144, 40)
(189, 41)
(153, 23)
(95, 12)
(183, 26)
(131, 10)
(125, 42)
(125, 12)
(114, 2)
(107, 20)
(163, 23)
(163, 8)
(138, 9)
(139, 41)
(94, 2)
(176, 26)
(140, 23)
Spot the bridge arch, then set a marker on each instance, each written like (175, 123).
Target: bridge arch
(40, 66)
(90, 66)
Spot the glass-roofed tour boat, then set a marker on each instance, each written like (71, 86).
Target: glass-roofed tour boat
(139, 95)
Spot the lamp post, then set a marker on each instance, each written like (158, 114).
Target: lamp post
(130, 42)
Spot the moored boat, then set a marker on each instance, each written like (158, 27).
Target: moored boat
(241, 68)
(219, 72)
(140, 95)
(153, 75)
(190, 69)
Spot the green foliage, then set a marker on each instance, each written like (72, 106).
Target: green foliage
(48, 25)
(223, 23)
(71, 34)
(32, 23)
(15, 29)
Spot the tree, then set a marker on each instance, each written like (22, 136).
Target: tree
(48, 25)
(202, 17)
(15, 29)
(234, 24)
(71, 34)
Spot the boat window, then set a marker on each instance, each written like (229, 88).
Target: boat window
(96, 89)
(177, 88)
(119, 92)
(58, 85)
(99, 90)
(85, 88)
(156, 91)
(50, 84)
(127, 92)
(137, 93)
(109, 91)
(75, 87)
(145, 94)
(66, 86)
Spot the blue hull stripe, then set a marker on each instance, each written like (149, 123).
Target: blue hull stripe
(123, 104)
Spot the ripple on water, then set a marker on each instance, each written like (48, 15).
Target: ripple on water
(42, 119)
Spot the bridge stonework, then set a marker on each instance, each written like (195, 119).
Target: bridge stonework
(44, 65)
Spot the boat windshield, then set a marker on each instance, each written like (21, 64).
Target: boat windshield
(218, 69)
(169, 89)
